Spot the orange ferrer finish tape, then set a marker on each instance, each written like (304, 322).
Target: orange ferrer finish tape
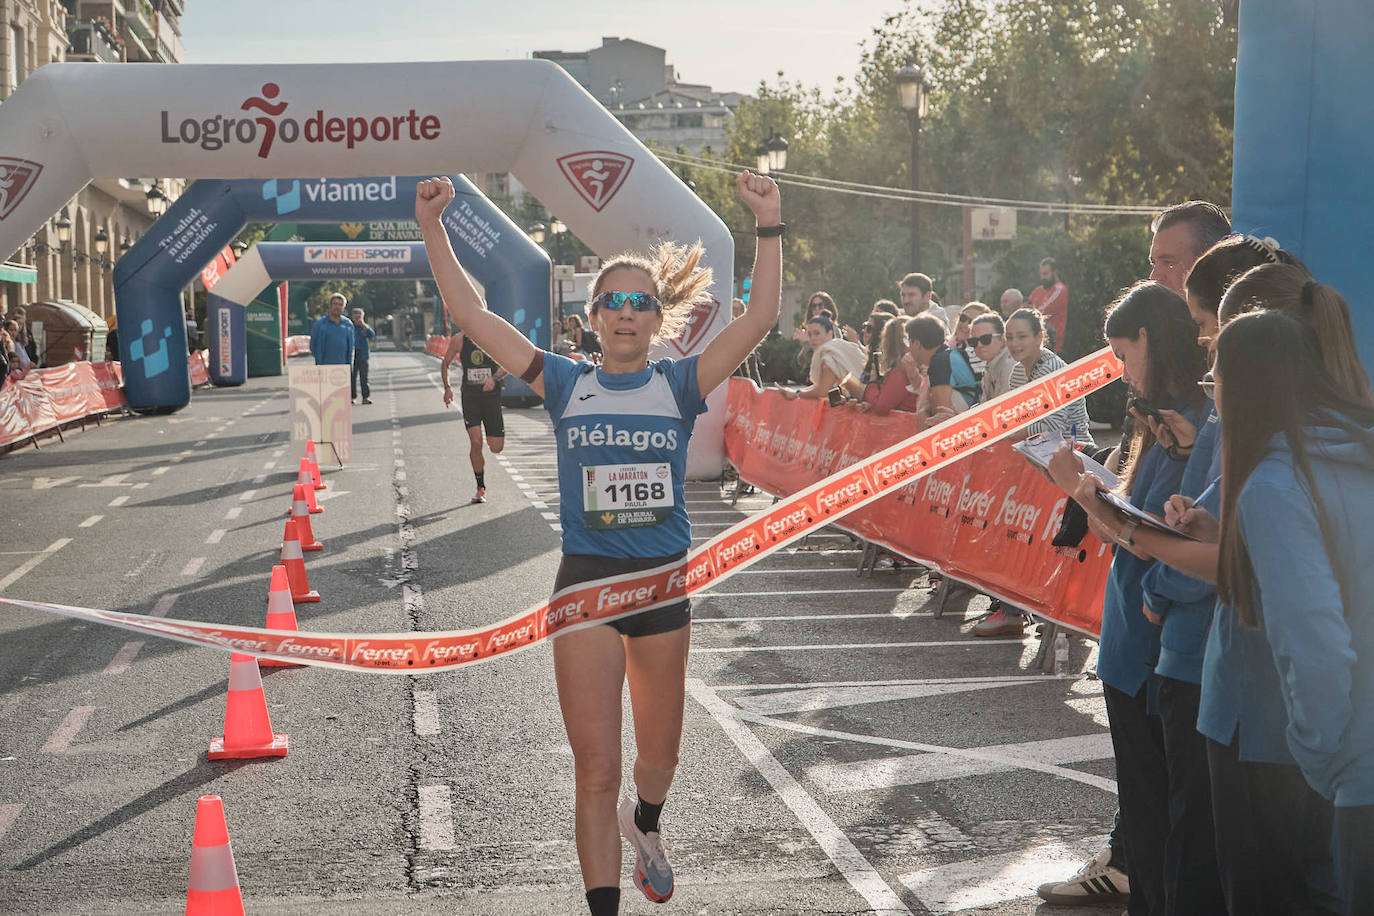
(591, 603)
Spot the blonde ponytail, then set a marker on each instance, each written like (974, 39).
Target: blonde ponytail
(680, 282)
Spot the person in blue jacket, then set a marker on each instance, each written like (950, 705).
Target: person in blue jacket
(621, 433)
(1296, 541)
(331, 336)
(1171, 868)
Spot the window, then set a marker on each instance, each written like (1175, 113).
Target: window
(13, 52)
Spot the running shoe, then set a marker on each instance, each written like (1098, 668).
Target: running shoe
(1000, 623)
(653, 874)
(1096, 883)
(480, 496)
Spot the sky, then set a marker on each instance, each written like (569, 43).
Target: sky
(730, 45)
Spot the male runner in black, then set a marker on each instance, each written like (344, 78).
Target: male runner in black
(481, 403)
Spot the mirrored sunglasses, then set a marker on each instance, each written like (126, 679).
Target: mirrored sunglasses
(640, 302)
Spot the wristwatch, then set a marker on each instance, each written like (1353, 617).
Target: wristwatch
(1125, 535)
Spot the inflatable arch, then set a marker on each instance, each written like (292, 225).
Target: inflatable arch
(514, 270)
(529, 118)
(1304, 138)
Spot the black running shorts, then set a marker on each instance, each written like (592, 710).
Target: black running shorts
(581, 567)
(483, 408)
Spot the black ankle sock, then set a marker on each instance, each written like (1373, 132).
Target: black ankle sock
(604, 901)
(481, 479)
(646, 816)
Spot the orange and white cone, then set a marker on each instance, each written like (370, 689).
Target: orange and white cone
(214, 886)
(294, 561)
(307, 480)
(300, 514)
(281, 613)
(314, 465)
(247, 727)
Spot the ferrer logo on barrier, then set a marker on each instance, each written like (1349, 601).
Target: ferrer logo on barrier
(17, 177)
(266, 128)
(345, 254)
(597, 175)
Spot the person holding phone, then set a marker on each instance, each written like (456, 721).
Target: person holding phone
(1160, 757)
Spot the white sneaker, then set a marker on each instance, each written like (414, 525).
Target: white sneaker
(653, 874)
(1095, 883)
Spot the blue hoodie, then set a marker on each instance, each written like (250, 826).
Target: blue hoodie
(1241, 695)
(1185, 603)
(1322, 648)
(1129, 646)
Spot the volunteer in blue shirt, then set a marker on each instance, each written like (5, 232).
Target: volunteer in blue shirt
(1161, 760)
(331, 336)
(1296, 538)
(363, 335)
(621, 433)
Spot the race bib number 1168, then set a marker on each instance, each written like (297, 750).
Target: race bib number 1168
(626, 495)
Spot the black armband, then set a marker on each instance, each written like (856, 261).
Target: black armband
(770, 232)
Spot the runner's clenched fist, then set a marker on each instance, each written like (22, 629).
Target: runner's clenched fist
(431, 197)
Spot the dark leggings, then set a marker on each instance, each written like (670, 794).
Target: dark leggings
(1355, 847)
(1273, 837)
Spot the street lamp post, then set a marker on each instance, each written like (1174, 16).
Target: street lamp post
(556, 230)
(913, 94)
(771, 154)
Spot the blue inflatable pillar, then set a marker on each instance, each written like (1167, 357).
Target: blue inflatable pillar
(226, 335)
(1304, 140)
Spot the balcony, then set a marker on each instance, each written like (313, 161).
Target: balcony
(92, 41)
(141, 20)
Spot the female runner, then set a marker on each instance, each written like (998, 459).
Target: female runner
(651, 406)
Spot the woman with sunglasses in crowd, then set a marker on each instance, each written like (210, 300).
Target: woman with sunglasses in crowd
(629, 411)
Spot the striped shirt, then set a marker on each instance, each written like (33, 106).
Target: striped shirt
(1072, 418)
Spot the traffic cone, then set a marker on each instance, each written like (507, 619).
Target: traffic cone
(314, 465)
(281, 613)
(294, 561)
(301, 516)
(307, 480)
(214, 886)
(247, 727)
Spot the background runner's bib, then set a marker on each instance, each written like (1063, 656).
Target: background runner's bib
(623, 431)
(478, 367)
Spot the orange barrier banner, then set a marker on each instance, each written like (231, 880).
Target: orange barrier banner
(862, 482)
(200, 368)
(986, 520)
(47, 398)
(297, 344)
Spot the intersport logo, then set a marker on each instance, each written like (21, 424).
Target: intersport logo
(270, 125)
(343, 254)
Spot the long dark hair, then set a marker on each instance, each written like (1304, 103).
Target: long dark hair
(1290, 288)
(819, 300)
(1175, 362)
(1272, 379)
(873, 365)
(1213, 273)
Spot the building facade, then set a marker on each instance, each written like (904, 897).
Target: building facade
(637, 84)
(108, 213)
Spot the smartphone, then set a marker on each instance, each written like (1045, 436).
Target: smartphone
(1146, 409)
(834, 396)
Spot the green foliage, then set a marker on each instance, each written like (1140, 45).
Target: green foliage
(1123, 102)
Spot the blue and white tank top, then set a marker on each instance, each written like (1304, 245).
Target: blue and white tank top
(622, 454)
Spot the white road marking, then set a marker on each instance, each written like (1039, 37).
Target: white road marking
(124, 657)
(400, 462)
(119, 500)
(426, 712)
(48, 483)
(916, 769)
(856, 869)
(269, 465)
(93, 520)
(8, 815)
(176, 459)
(260, 479)
(233, 513)
(113, 480)
(810, 699)
(539, 504)
(246, 495)
(192, 567)
(141, 486)
(937, 644)
(989, 880)
(200, 443)
(215, 536)
(29, 564)
(158, 472)
(73, 723)
(164, 604)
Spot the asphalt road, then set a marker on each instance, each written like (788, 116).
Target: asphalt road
(821, 767)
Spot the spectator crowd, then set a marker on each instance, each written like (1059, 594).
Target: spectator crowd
(1237, 663)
